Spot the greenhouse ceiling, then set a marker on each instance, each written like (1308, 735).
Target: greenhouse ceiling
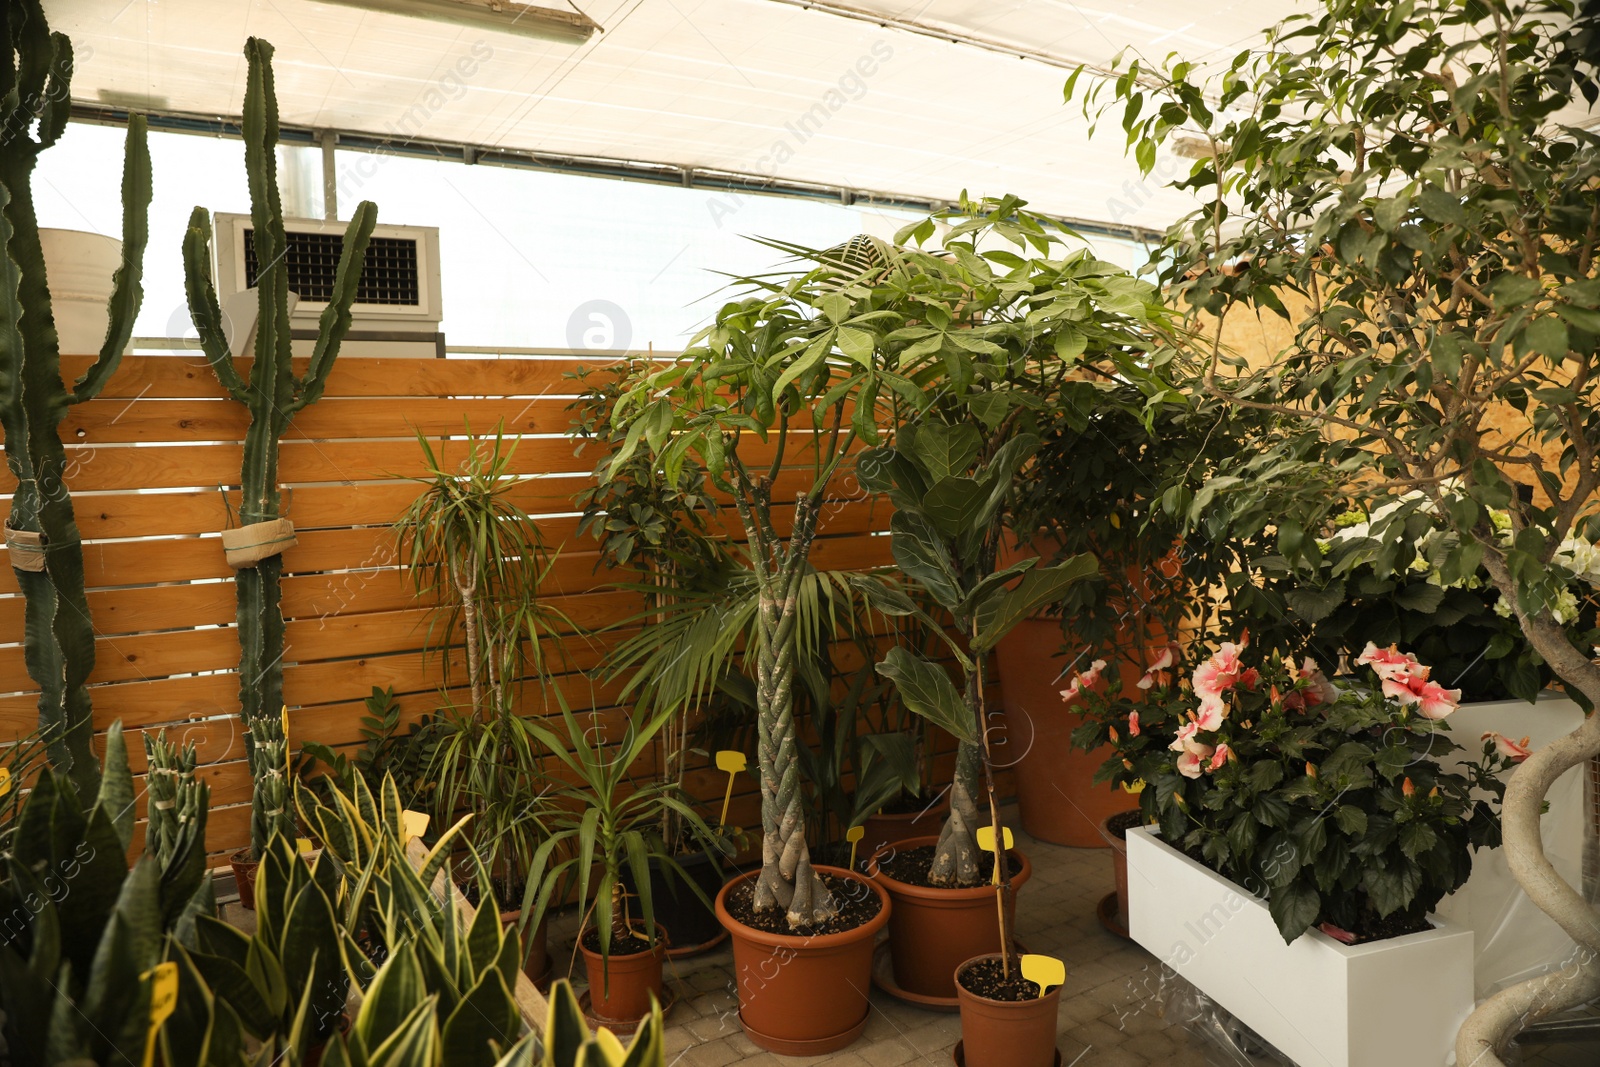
(878, 98)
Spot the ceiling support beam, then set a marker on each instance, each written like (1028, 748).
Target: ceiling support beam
(732, 183)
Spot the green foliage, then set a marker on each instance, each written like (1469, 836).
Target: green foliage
(36, 70)
(384, 751)
(568, 1043)
(81, 930)
(274, 394)
(609, 824)
(1335, 806)
(1402, 186)
(271, 802)
(176, 799)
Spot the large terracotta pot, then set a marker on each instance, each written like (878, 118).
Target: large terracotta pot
(998, 1033)
(1114, 831)
(804, 996)
(620, 987)
(884, 829)
(1056, 794)
(933, 931)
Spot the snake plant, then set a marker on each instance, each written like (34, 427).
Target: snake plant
(36, 73)
(273, 393)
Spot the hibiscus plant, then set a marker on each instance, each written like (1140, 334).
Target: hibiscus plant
(1412, 189)
(1334, 805)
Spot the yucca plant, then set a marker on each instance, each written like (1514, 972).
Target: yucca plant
(610, 825)
(469, 547)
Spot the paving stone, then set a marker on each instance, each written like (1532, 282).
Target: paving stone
(712, 1054)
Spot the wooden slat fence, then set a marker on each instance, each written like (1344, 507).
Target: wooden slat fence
(147, 461)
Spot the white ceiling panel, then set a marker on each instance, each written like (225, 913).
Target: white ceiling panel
(867, 97)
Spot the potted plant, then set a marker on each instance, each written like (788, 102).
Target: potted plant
(468, 548)
(1306, 833)
(1465, 264)
(611, 824)
(776, 397)
(662, 534)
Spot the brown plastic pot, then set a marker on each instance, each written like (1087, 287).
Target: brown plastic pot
(804, 996)
(244, 877)
(537, 968)
(620, 987)
(1000, 1033)
(885, 829)
(933, 931)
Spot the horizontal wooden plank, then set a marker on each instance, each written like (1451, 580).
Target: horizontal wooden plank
(149, 420)
(188, 376)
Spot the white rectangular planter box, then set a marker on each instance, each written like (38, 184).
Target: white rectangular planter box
(1393, 1003)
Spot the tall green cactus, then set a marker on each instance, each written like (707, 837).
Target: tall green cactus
(273, 394)
(35, 98)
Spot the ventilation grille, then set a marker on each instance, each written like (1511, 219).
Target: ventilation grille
(389, 275)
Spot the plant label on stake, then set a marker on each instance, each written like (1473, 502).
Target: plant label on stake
(163, 979)
(854, 836)
(731, 763)
(416, 823)
(986, 843)
(304, 845)
(5, 781)
(1043, 971)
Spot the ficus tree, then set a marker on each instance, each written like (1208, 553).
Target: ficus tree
(1413, 189)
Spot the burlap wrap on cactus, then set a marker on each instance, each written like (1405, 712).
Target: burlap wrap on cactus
(246, 546)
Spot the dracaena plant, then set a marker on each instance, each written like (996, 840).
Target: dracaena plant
(1332, 804)
(1413, 189)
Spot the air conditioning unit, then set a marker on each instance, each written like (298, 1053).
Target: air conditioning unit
(397, 309)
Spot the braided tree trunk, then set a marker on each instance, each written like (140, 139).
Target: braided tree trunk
(957, 860)
(1490, 1028)
(787, 879)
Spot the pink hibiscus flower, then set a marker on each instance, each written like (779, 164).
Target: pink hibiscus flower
(1515, 751)
(1133, 724)
(1192, 762)
(1390, 663)
(1222, 672)
(1222, 755)
(1156, 672)
(1318, 690)
(1082, 680)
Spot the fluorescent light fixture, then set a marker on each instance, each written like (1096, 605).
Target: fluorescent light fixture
(503, 16)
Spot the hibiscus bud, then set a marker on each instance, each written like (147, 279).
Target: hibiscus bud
(1434, 792)
(1128, 763)
(1407, 788)
(1114, 735)
(1311, 769)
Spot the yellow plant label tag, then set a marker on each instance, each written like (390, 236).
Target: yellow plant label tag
(416, 823)
(303, 844)
(986, 838)
(1044, 971)
(854, 836)
(5, 780)
(1135, 787)
(163, 999)
(732, 762)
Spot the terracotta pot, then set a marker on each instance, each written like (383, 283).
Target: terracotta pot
(1056, 794)
(1117, 840)
(804, 996)
(537, 967)
(933, 931)
(999, 1033)
(244, 876)
(620, 987)
(693, 922)
(884, 829)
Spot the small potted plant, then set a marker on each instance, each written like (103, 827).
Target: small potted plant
(1301, 836)
(611, 825)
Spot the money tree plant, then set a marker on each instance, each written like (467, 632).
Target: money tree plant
(1412, 189)
(46, 549)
